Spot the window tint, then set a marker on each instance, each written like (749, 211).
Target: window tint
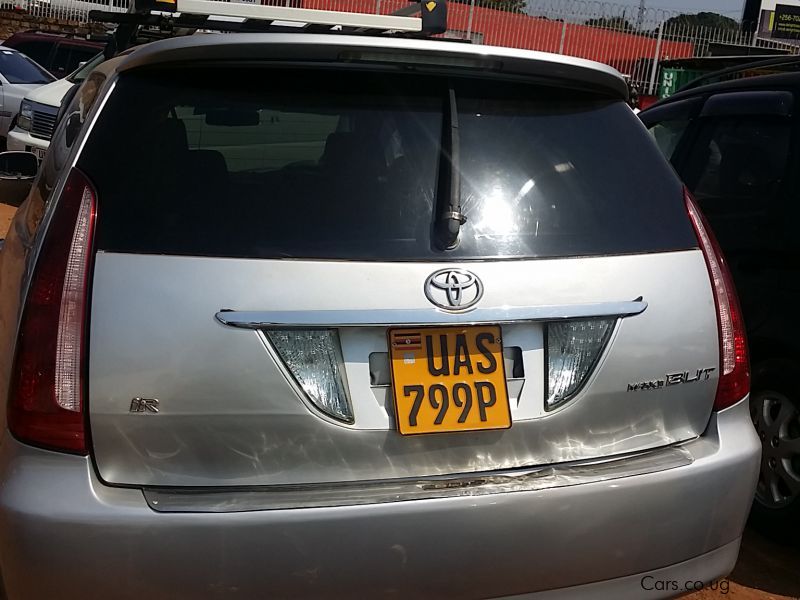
(322, 164)
(669, 122)
(62, 59)
(82, 54)
(744, 158)
(82, 72)
(38, 51)
(668, 134)
(76, 56)
(68, 57)
(278, 139)
(736, 171)
(18, 68)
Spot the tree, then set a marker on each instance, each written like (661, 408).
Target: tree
(616, 23)
(703, 19)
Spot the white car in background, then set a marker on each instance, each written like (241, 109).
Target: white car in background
(19, 76)
(38, 112)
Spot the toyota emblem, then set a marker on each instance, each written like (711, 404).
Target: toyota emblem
(453, 290)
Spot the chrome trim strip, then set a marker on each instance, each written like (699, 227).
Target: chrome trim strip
(420, 317)
(222, 500)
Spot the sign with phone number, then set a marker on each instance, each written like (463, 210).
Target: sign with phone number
(786, 23)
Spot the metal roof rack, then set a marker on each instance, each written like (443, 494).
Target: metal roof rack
(175, 16)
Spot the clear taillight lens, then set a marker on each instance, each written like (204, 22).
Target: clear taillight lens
(573, 348)
(314, 358)
(73, 301)
(734, 377)
(45, 403)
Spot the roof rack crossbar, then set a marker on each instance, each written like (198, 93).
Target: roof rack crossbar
(432, 17)
(169, 16)
(299, 15)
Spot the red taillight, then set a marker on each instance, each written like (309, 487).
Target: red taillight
(46, 394)
(734, 376)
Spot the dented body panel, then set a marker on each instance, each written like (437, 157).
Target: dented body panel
(231, 417)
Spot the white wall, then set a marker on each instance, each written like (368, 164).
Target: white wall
(770, 4)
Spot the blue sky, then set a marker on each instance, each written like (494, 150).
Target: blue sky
(729, 8)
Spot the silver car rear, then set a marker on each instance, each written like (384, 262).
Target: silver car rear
(324, 273)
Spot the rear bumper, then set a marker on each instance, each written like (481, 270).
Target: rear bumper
(64, 534)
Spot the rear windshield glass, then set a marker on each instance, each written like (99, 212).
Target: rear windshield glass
(18, 68)
(354, 165)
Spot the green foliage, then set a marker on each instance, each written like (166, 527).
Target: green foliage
(703, 19)
(615, 23)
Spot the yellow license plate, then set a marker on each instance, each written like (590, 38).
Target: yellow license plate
(448, 379)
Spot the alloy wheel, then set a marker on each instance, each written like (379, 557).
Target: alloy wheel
(777, 422)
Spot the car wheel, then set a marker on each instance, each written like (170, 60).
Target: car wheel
(775, 409)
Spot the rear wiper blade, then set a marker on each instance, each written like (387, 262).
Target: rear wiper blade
(449, 217)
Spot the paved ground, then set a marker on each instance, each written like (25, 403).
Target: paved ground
(766, 571)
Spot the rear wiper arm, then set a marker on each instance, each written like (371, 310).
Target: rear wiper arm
(449, 217)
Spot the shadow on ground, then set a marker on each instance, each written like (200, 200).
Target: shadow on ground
(767, 566)
(766, 570)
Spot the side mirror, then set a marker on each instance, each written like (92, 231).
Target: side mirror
(17, 172)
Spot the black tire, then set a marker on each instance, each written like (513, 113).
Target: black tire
(775, 408)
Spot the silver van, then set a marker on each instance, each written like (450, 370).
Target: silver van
(299, 315)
